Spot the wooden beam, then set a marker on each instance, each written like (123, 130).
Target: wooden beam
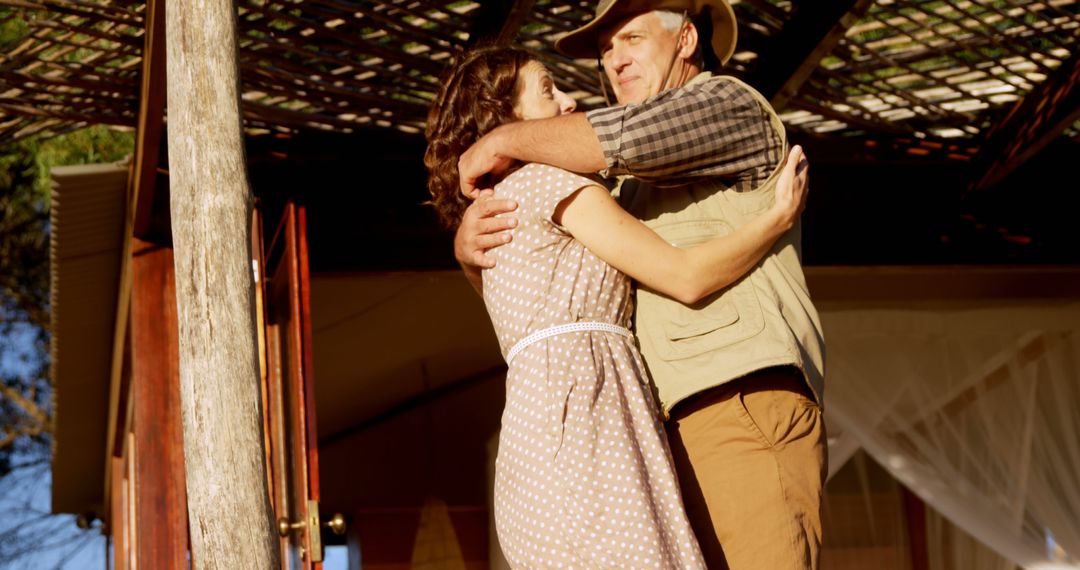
(151, 118)
(116, 525)
(1032, 123)
(140, 187)
(810, 35)
(160, 497)
(498, 23)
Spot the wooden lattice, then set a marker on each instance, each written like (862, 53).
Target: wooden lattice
(919, 69)
(937, 69)
(66, 64)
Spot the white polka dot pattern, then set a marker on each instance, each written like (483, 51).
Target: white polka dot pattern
(583, 478)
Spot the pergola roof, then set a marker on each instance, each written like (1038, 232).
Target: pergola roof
(937, 73)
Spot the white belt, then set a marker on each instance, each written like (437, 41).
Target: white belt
(563, 329)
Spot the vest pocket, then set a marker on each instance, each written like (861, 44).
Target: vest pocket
(702, 325)
(678, 331)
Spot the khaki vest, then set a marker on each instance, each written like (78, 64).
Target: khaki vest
(764, 319)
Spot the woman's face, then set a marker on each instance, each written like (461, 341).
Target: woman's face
(538, 98)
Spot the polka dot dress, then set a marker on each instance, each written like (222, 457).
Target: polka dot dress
(583, 477)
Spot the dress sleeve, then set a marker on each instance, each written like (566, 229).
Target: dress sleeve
(540, 188)
(713, 128)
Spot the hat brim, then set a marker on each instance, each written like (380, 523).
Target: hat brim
(582, 42)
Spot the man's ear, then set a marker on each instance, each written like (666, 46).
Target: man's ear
(688, 39)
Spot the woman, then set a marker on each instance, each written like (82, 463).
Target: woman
(584, 478)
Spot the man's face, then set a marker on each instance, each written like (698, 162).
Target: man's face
(636, 54)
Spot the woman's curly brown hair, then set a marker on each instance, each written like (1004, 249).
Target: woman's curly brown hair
(478, 93)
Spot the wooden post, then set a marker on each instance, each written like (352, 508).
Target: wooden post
(228, 504)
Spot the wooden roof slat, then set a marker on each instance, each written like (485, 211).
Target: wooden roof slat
(318, 88)
(38, 41)
(326, 105)
(447, 21)
(69, 86)
(49, 127)
(88, 105)
(435, 6)
(498, 23)
(70, 115)
(423, 64)
(932, 78)
(406, 31)
(990, 38)
(258, 49)
(962, 21)
(775, 12)
(942, 111)
(320, 58)
(943, 48)
(1020, 23)
(558, 22)
(102, 10)
(811, 33)
(855, 119)
(129, 41)
(63, 48)
(986, 99)
(870, 89)
(921, 20)
(50, 109)
(1030, 125)
(873, 59)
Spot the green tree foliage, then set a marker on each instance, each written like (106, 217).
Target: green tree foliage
(25, 418)
(24, 291)
(27, 528)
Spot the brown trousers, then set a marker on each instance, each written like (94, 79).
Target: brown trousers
(751, 460)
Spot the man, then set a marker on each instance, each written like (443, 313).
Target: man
(740, 375)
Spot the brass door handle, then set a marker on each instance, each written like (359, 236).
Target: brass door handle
(312, 525)
(284, 527)
(336, 524)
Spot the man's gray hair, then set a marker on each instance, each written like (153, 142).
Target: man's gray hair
(672, 22)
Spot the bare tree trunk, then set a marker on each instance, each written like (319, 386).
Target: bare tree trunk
(228, 503)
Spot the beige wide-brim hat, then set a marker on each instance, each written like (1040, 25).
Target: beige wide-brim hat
(582, 42)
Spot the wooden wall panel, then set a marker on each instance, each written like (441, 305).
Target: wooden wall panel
(160, 496)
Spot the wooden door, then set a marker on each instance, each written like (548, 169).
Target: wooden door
(288, 399)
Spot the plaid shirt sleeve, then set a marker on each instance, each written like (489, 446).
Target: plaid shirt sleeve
(715, 128)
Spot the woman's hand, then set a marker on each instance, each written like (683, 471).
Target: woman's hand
(792, 188)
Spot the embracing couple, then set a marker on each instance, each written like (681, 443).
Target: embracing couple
(697, 442)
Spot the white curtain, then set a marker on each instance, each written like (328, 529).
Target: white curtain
(864, 519)
(973, 407)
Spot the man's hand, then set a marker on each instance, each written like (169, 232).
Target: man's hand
(481, 230)
(479, 161)
(566, 141)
